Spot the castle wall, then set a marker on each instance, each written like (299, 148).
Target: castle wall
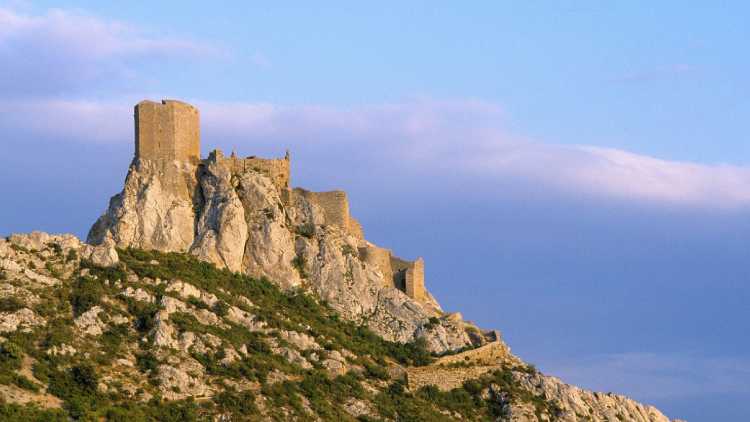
(278, 169)
(415, 281)
(408, 276)
(355, 228)
(169, 130)
(380, 258)
(335, 206)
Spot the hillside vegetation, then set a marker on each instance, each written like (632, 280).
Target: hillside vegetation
(167, 337)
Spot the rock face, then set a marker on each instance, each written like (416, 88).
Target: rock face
(156, 210)
(240, 214)
(243, 222)
(577, 404)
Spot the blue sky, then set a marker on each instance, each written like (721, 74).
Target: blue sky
(576, 174)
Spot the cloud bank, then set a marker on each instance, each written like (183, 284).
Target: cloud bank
(465, 137)
(49, 60)
(62, 51)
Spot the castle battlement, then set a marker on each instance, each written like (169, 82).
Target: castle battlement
(169, 130)
(277, 169)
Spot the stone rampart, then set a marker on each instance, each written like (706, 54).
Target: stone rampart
(415, 281)
(379, 258)
(408, 276)
(450, 372)
(277, 169)
(169, 130)
(335, 207)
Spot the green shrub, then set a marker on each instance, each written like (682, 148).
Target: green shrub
(10, 355)
(86, 294)
(25, 383)
(10, 304)
(147, 362)
(18, 413)
(306, 230)
(220, 308)
(199, 304)
(240, 404)
(299, 262)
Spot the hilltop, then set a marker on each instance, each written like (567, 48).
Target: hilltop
(211, 289)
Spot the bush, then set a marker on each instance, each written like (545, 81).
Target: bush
(306, 230)
(299, 264)
(10, 304)
(220, 308)
(10, 355)
(17, 413)
(86, 294)
(238, 404)
(25, 383)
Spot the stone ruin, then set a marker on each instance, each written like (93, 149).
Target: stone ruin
(169, 132)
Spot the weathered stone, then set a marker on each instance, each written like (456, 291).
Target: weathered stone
(185, 380)
(102, 255)
(89, 322)
(23, 320)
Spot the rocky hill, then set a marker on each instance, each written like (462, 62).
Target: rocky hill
(211, 290)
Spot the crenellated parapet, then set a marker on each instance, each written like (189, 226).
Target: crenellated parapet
(276, 169)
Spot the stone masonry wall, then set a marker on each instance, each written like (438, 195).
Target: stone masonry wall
(278, 169)
(415, 281)
(450, 372)
(335, 206)
(169, 130)
(408, 276)
(380, 258)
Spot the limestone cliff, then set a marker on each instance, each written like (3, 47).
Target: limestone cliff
(241, 220)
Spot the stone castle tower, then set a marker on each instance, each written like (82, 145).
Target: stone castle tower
(169, 130)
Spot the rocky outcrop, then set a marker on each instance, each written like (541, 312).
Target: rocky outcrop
(244, 222)
(567, 403)
(155, 210)
(576, 404)
(221, 232)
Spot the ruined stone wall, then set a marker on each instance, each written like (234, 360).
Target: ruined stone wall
(335, 206)
(399, 267)
(355, 228)
(169, 130)
(450, 372)
(415, 281)
(278, 169)
(408, 277)
(379, 258)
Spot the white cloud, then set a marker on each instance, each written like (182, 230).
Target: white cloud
(467, 138)
(651, 376)
(63, 51)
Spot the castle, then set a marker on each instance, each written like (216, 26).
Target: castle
(170, 131)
